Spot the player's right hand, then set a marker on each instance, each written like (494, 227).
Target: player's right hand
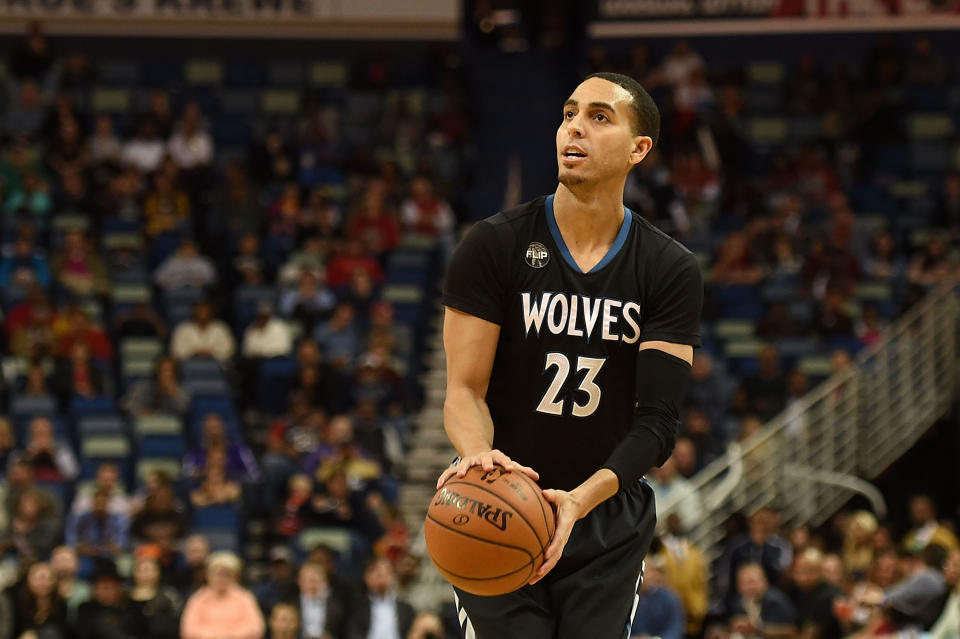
(487, 460)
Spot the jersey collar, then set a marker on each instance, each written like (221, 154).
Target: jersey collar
(618, 242)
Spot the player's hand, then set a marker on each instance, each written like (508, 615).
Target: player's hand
(486, 460)
(568, 511)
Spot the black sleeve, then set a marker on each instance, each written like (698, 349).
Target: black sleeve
(673, 312)
(474, 282)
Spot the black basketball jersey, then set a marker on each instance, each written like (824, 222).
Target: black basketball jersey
(562, 389)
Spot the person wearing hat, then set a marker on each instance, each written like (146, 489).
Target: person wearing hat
(104, 616)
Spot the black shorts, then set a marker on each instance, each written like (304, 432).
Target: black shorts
(591, 593)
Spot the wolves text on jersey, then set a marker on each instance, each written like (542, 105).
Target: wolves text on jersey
(582, 316)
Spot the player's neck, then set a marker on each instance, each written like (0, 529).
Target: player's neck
(590, 218)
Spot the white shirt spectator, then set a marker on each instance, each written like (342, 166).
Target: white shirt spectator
(272, 339)
(191, 150)
(383, 617)
(214, 339)
(146, 155)
(180, 271)
(689, 509)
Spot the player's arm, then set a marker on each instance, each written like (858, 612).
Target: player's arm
(473, 294)
(471, 344)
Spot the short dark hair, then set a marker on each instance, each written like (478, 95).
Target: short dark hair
(646, 115)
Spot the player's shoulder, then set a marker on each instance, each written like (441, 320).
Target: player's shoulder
(657, 246)
(516, 216)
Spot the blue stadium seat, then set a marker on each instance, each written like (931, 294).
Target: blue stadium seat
(162, 446)
(101, 426)
(275, 379)
(220, 517)
(87, 406)
(33, 406)
(201, 368)
(209, 386)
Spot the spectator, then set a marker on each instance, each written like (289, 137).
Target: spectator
(698, 429)
(105, 615)
(426, 625)
(185, 269)
(34, 385)
(248, 266)
(191, 575)
(71, 589)
(659, 612)
(309, 302)
(926, 529)
(191, 147)
(870, 327)
(104, 146)
(858, 542)
(25, 268)
(204, 336)
(280, 583)
(931, 265)
(7, 445)
(339, 507)
(339, 337)
(161, 520)
(215, 488)
(685, 457)
(35, 527)
(31, 200)
(918, 599)
(832, 318)
(350, 257)
(284, 622)
(50, 459)
(153, 610)
(341, 450)
(33, 58)
(671, 488)
(99, 533)
(300, 492)
(735, 264)
(159, 114)
(267, 336)
(77, 375)
(222, 608)
(29, 326)
(372, 223)
(77, 269)
(323, 611)
(881, 262)
(26, 115)
(948, 625)
(392, 618)
(709, 388)
(240, 462)
(760, 545)
(766, 389)
(814, 598)
(39, 608)
(146, 150)
(73, 326)
(312, 257)
(685, 571)
(760, 610)
(163, 394)
(426, 214)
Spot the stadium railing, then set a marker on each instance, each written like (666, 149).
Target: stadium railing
(811, 458)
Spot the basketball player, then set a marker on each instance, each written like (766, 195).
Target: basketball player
(569, 329)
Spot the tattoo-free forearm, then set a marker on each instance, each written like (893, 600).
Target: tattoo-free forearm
(466, 419)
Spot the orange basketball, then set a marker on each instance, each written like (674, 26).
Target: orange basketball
(487, 531)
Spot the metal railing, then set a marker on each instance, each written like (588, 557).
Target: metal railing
(811, 458)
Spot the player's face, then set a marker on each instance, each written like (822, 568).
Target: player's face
(595, 140)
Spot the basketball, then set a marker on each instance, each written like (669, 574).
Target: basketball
(487, 531)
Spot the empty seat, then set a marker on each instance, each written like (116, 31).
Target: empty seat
(169, 446)
(110, 100)
(89, 406)
(100, 426)
(735, 329)
(33, 406)
(215, 386)
(105, 447)
(158, 425)
(201, 368)
(169, 465)
(274, 382)
(203, 71)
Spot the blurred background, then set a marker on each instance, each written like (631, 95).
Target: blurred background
(224, 226)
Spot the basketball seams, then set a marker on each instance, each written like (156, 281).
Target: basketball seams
(540, 500)
(478, 538)
(504, 500)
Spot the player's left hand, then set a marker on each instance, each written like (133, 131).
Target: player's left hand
(568, 511)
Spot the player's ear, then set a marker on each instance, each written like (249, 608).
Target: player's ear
(641, 146)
